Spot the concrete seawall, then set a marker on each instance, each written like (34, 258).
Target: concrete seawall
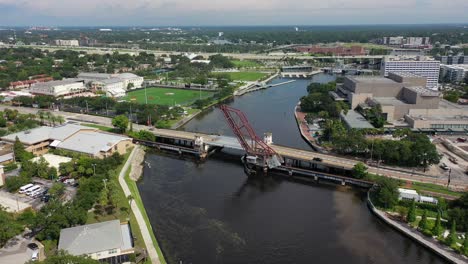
(430, 243)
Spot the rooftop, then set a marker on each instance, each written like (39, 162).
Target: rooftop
(43, 133)
(355, 120)
(91, 142)
(93, 238)
(424, 91)
(388, 101)
(53, 160)
(371, 79)
(56, 83)
(407, 191)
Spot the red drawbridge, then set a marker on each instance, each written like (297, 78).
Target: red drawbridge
(259, 153)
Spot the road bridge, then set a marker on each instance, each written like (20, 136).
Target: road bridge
(184, 142)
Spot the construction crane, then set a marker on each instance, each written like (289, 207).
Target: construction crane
(259, 154)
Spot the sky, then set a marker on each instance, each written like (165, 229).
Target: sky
(229, 12)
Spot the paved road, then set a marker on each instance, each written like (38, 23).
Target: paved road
(145, 230)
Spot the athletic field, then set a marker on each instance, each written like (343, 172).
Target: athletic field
(166, 96)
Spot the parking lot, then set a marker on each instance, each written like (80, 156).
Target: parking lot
(16, 251)
(18, 202)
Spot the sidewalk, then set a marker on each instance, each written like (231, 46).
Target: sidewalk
(145, 232)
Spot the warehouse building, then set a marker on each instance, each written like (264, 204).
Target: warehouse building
(59, 88)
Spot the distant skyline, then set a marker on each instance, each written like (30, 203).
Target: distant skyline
(223, 13)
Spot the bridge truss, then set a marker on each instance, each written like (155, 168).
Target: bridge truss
(260, 153)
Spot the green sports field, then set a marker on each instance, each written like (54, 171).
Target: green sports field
(166, 96)
(246, 76)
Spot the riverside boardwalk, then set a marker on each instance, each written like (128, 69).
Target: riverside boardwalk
(429, 243)
(145, 230)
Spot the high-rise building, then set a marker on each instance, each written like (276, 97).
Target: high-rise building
(453, 73)
(67, 42)
(460, 59)
(419, 65)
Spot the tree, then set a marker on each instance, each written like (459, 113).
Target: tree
(387, 192)
(464, 248)
(359, 170)
(452, 237)
(63, 257)
(437, 229)
(120, 122)
(423, 223)
(130, 86)
(411, 217)
(8, 227)
(20, 152)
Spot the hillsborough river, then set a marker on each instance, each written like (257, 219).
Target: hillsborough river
(211, 213)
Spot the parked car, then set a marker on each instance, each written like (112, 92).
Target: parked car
(45, 198)
(69, 181)
(453, 160)
(444, 166)
(317, 159)
(461, 139)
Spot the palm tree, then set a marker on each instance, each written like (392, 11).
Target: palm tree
(60, 119)
(48, 116)
(41, 116)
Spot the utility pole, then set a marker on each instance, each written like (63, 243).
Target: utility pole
(146, 97)
(87, 109)
(450, 173)
(94, 168)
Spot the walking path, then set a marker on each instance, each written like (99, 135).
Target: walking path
(145, 232)
(442, 250)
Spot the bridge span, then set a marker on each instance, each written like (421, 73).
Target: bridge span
(296, 161)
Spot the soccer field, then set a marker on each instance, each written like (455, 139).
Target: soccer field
(166, 96)
(245, 76)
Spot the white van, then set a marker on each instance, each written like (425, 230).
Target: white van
(24, 188)
(35, 194)
(35, 255)
(33, 189)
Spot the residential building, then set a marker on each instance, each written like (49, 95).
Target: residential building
(453, 73)
(108, 242)
(449, 60)
(67, 42)
(59, 88)
(406, 42)
(81, 139)
(419, 65)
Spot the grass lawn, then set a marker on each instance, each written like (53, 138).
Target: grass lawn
(121, 202)
(245, 63)
(434, 188)
(246, 76)
(167, 96)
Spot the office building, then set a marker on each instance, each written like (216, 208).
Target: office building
(422, 66)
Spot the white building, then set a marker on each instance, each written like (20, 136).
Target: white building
(454, 73)
(130, 78)
(421, 66)
(59, 88)
(125, 78)
(412, 195)
(109, 242)
(67, 42)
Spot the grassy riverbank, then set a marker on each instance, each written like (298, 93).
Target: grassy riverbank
(137, 199)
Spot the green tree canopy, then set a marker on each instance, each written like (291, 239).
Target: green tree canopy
(120, 122)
